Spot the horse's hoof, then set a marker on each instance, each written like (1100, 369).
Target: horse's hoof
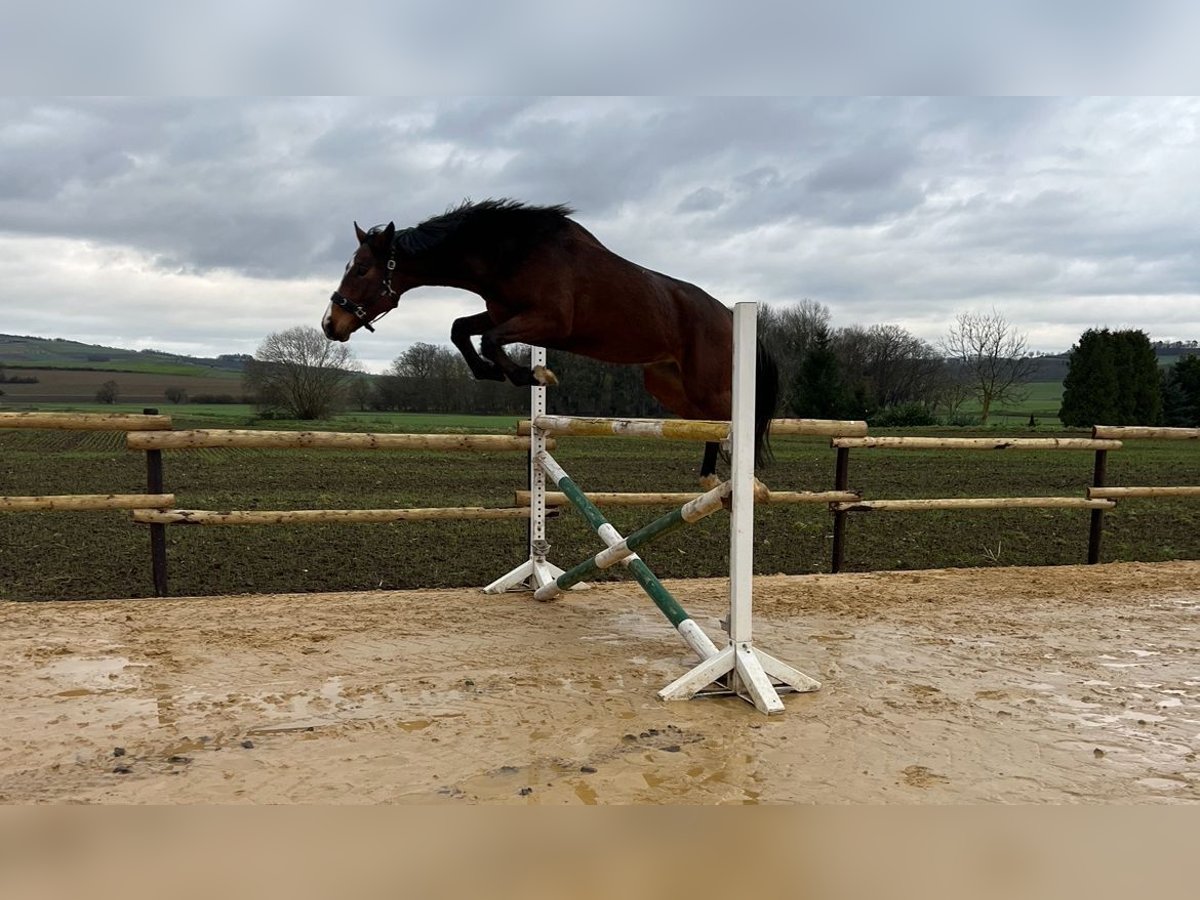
(762, 493)
(544, 376)
(708, 482)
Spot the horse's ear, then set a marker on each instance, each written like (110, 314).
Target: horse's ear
(389, 233)
(360, 234)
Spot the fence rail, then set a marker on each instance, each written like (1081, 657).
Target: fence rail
(88, 501)
(1135, 432)
(85, 421)
(322, 516)
(924, 443)
(319, 440)
(974, 503)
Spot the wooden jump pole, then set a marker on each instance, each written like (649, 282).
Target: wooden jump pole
(604, 427)
(667, 429)
(673, 498)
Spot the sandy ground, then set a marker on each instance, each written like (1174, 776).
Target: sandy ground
(1067, 684)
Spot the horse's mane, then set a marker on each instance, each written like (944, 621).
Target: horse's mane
(485, 223)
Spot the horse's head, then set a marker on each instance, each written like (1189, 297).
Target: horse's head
(368, 289)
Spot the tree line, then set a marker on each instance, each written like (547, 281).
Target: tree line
(881, 373)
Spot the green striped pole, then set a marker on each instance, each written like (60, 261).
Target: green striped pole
(692, 511)
(691, 633)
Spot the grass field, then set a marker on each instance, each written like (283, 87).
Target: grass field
(1042, 401)
(100, 554)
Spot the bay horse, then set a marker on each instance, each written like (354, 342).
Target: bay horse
(547, 281)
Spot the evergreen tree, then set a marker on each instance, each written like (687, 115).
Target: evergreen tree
(817, 390)
(1090, 387)
(1181, 393)
(1112, 379)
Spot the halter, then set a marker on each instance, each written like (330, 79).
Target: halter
(357, 310)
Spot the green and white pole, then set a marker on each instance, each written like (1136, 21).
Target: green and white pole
(619, 550)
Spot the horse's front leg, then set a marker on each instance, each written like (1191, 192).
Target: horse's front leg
(524, 330)
(461, 333)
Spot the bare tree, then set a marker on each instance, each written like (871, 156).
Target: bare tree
(176, 394)
(993, 356)
(108, 392)
(300, 372)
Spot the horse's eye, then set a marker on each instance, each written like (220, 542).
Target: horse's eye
(360, 271)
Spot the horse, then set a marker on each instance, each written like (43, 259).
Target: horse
(547, 281)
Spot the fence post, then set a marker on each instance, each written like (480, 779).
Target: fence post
(841, 482)
(1097, 529)
(158, 533)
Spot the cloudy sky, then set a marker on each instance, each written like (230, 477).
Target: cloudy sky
(201, 225)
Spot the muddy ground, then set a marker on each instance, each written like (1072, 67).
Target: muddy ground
(1064, 684)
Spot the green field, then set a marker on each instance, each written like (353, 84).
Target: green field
(79, 555)
(1042, 401)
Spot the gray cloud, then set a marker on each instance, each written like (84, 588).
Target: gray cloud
(228, 218)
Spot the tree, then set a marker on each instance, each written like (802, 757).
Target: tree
(788, 333)
(428, 378)
(107, 392)
(1181, 393)
(1112, 379)
(817, 391)
(176, 394)
(992, 356)
(359, 391)
(300, 373)
(885, 365)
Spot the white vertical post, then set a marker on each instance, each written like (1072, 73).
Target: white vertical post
(749, 671)
(537, 444)
(741, 527)
(536, 571)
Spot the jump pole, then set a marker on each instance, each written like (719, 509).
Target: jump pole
(621, 550)
(536, 572)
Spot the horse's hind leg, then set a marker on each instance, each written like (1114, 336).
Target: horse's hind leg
(461, 333)
(523, 329)
(708, 467)
(664, 381)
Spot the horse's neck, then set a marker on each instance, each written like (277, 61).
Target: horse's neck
(459, 274)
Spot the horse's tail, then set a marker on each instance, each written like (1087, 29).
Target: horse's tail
(766, 401)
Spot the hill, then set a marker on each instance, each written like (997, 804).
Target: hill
(26, 352)
(53, 370)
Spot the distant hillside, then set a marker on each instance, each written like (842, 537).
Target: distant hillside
(37, 370)
(24, 352)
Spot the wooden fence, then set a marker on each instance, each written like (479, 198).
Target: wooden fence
(151, 433)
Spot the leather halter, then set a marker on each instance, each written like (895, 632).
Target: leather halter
(355, 309)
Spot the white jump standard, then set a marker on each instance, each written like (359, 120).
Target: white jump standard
(536, 571)
(740, 667)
